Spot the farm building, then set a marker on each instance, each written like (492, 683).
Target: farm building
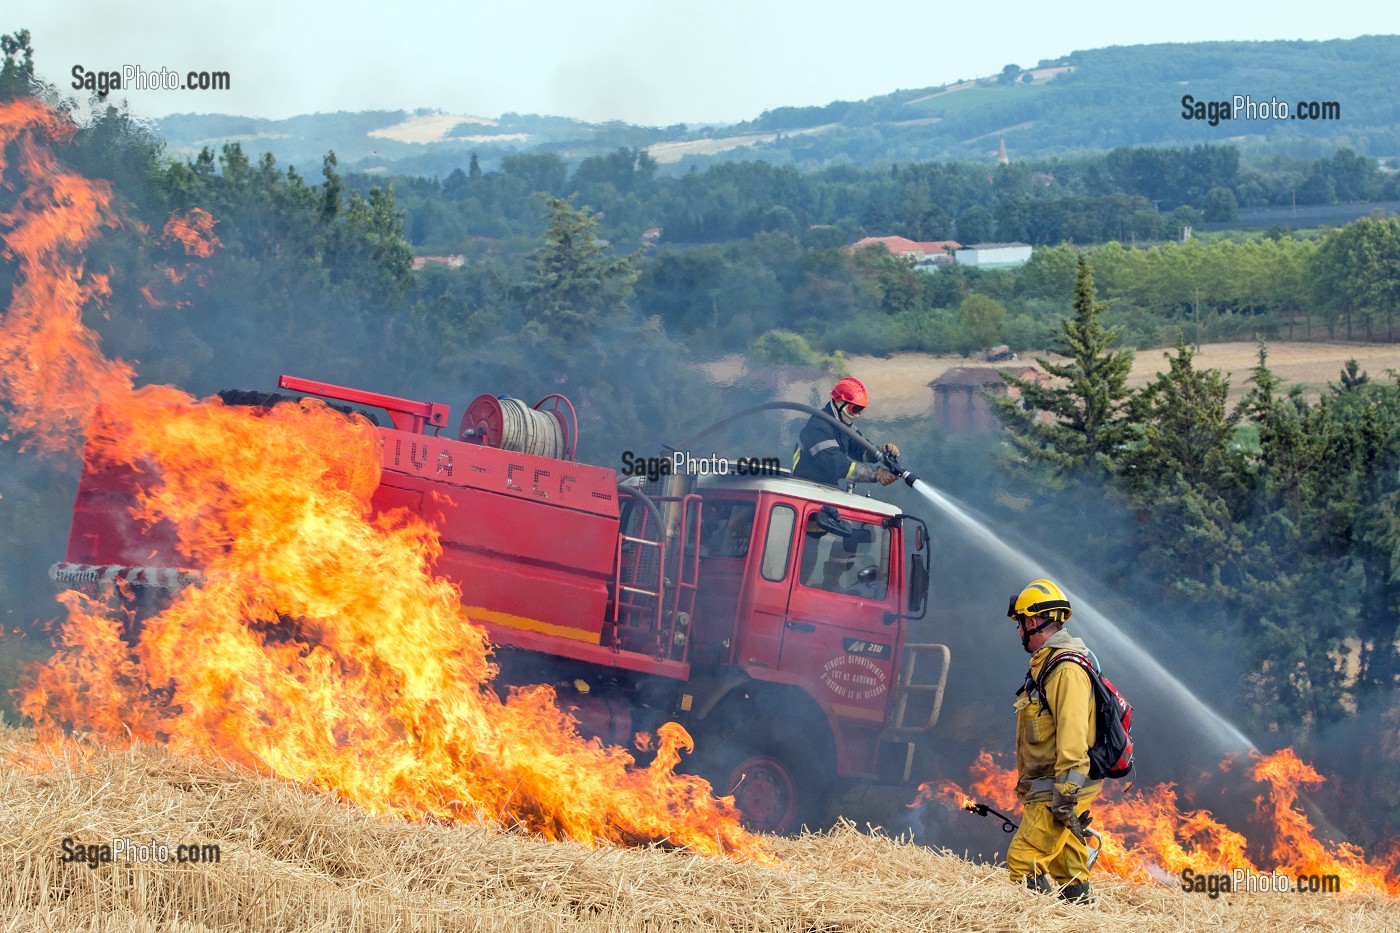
(926, 256)
(960, 403)
(994, 255)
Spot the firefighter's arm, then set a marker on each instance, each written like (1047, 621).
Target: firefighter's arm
(1070, 696)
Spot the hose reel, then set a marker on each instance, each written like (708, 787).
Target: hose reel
(549, 429)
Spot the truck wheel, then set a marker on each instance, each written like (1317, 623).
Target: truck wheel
(765, 790)
(777, 789)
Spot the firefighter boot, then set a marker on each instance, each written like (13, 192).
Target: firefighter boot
(1041, 884)
(1077, 893)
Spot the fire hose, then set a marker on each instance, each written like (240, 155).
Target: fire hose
(1010, 826)
(886, 460)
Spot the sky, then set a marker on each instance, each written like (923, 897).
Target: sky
(650, 62)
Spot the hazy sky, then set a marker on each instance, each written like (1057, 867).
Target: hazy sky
(643, 61)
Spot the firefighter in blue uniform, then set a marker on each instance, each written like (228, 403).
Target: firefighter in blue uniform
(827, 455)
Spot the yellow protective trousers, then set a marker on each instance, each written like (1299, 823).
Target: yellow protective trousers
(1044, 846)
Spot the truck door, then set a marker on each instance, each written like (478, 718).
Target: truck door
(835, 636)
(763, 605)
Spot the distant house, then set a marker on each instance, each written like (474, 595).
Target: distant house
(453, 262)
(960, 403)
(994, 255)
(927, 255)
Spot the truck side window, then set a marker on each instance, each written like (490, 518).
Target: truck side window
(775, 549)
(858, 565)
(726, 527)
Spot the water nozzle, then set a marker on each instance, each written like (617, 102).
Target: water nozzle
(892, 464)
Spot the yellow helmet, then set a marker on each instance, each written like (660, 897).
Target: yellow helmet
(1040, 596)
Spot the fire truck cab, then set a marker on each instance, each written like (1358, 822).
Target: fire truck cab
(801, 677)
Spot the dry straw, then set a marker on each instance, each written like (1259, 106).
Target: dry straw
(292, 858)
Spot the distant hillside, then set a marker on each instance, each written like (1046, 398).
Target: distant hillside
(1098, 99)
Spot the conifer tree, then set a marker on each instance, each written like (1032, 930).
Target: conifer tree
(1087, 396)
(1184, 429)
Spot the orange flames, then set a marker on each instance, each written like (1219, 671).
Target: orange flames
(321, 647)
(1149, 835)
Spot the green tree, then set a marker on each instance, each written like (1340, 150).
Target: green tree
(17, 72)
(1219, 205)
(1185, 429)
(575, 283)
(976, 225)
(1356, 273)
(981, 319)
(1087, 402)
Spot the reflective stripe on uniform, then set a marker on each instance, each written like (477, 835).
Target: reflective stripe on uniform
(1040, 785)
(819, 446)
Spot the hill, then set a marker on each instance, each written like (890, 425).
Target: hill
(292, 859)
(1094, 99)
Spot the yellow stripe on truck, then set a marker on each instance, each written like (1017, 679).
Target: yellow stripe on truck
(482, 614)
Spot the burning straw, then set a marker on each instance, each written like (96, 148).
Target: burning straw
(1149, 836)
(295, 858)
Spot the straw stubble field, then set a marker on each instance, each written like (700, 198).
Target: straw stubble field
(292, 858)
(899, 384)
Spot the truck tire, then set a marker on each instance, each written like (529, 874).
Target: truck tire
(766, 790)
(778, 786)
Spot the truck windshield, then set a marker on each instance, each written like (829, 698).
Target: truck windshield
(856, 565)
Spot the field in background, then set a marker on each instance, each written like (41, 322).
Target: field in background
(899, 384)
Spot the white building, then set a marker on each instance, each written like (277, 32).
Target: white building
(994, 255)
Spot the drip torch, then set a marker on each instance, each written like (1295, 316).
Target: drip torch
(1092, 838)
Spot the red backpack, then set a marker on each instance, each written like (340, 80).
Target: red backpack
(1111, 755)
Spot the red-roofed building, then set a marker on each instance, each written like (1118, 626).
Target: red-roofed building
(926, 255)
(454, 262)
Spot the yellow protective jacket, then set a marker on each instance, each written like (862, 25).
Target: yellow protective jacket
(1054, 732)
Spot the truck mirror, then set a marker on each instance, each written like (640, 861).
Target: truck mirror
(918, 586)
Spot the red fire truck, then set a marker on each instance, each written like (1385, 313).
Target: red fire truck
(766, 614)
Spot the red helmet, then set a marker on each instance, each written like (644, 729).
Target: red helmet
(850, 390)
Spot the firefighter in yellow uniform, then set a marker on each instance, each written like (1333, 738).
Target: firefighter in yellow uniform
(1053, 736)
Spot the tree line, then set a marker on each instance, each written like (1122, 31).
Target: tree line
(1128, 194)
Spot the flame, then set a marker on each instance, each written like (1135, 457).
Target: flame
(989, 782)
(52, 373)
(193, 229)
(321, 647)
(1295, 849)
(1149, 835)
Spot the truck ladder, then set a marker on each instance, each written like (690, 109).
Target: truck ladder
(906, 687)
(642, 617)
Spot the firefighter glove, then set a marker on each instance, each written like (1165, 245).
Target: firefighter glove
(884, 477)
(890, 450)
(1064, 797)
